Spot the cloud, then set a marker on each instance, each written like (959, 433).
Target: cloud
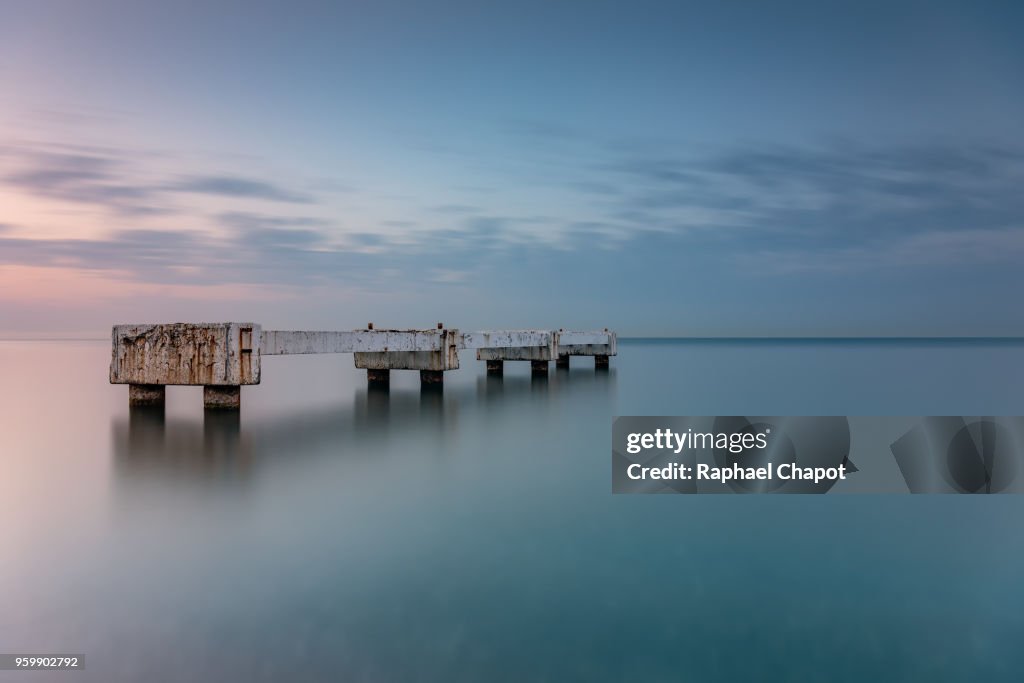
(181, 257)
(262, 230)
(367, 239)
(110, 179)
(448, 276)
(826, 208)
(948, 248)
(234, 186)
(249, 221)
(250, 252)
(456, 209)
(79, 176)
(838, 192)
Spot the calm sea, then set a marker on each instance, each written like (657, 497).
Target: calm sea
(336, 534)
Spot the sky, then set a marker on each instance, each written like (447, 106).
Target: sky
(659, 168)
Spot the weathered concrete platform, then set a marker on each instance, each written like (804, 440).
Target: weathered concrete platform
(432, 352)
(182, 353)
(149, 357)
(537, 346)
(600, 345)
(222, 357)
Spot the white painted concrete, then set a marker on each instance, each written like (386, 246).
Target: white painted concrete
(576, 343)
(282, 343)
(539, 345)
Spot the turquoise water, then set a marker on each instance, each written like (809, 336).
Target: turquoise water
(336, 534)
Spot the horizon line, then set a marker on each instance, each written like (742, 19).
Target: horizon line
(643, 338)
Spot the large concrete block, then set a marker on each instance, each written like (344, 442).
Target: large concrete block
(446, 357)
(209, 354)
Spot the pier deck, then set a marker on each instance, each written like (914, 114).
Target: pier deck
(223, 357)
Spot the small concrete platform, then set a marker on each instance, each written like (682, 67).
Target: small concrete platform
(539, 347)
(601, 345)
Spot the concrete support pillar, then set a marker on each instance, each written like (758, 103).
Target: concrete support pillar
(433, 379)
(222, 397)
(562, 362)
(601, 362)
(539, 367)
(495, 367)
(146, 394)
(378, 377)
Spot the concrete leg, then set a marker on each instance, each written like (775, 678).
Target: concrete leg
(378, 377)
(495, 367)
(539, 367)
(601, 362)
(146, 394)
(432, 378)
(222, 397)
(562, 362)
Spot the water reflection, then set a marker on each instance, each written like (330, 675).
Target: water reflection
(338, 532)
(225, 449)
(147, 445)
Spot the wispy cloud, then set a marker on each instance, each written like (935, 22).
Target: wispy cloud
(829, 208)
(260, 229)
(947, 248)
(456, 209)
(120, 181)
(89, 177)
(249, 253)
(189, 257)
(233, 186)
(840, 193)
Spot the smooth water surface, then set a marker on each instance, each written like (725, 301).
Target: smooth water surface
(331, 533)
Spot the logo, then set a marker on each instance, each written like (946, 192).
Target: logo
(954, 455)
